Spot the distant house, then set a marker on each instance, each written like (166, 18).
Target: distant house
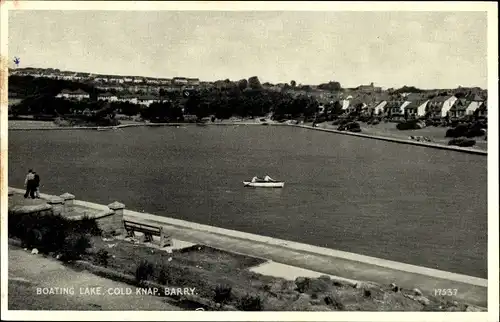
(482, 110)
(128, 79)
(345, 103)
(379, 108)
(393, 107)
(138, 80)
(472, 107)
(422, 108)
(76, 95)
(458, 110)
(193, 81)
(415, 105)
(440, 106)
(147, 100)
(165, 81)
(179, 81)
(369, 88)
(107, 97)
(127, 99)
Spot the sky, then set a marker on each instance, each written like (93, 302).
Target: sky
(390, 49)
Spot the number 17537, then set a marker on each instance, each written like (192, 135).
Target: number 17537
(445, 291)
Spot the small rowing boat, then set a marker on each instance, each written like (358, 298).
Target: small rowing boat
(267, 182)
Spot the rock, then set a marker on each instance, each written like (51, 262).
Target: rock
(472, 308)
(366, 285)
(302, 284)
(423, 300)
(417, 291)
(34, 251)
(394, 287)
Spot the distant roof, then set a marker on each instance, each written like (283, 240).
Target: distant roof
(80, 91)
(147, 97)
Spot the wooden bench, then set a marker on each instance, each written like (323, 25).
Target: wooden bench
(149, 231)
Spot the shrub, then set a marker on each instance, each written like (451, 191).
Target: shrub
(47, 232)
(409, 125)
(86, 225)
(102, 257)
(458, 131)
(250, 303)
(463, 142)
(143, 271)
(222, 293)
(334, 300)
(302, 284)
(350, 126)
(75, 246)
(163, 276)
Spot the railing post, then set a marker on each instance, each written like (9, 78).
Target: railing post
(117, 221)
(68, 202)
(57, 205)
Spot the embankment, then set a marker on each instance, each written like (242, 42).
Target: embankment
(329, 261)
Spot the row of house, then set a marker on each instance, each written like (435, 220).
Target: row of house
(80, 95)
(105, 79)
(415, 105)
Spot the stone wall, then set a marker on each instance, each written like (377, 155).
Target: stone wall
(109, 219)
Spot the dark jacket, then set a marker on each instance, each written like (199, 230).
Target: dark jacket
(36, 181)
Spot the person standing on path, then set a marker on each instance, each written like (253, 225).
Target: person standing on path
(29, 182)
(36, 185)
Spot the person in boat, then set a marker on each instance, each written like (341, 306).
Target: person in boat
(268, 179)
(255, 179)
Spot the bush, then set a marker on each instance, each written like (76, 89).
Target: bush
(222, 293)
(350, 126)
(458, 131)
(47, 232)
(302, 284)
(250, 303)
(409, 125)
(462, 142)
(163, 276)
(143, 271)
(86, 225)
(102, 257)
(75, 246)
(334, 300)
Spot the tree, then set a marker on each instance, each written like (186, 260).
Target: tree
(293, 84)
(242, 84)
(254, 83)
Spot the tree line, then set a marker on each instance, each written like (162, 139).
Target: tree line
(243, 98)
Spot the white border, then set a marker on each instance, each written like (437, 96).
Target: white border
(493, 228)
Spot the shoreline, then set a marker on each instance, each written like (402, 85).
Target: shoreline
(271, 123)
(325, 260)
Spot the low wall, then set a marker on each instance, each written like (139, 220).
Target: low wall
(108, 218)
(376, 137)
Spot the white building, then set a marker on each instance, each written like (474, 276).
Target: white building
(76, 95)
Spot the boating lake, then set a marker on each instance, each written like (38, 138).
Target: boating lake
(406, 203)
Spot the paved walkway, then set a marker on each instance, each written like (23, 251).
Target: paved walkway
(470, 289)
(27, 272)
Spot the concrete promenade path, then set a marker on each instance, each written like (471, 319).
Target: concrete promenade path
(27, 272)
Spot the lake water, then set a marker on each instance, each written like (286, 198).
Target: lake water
(406, 203)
